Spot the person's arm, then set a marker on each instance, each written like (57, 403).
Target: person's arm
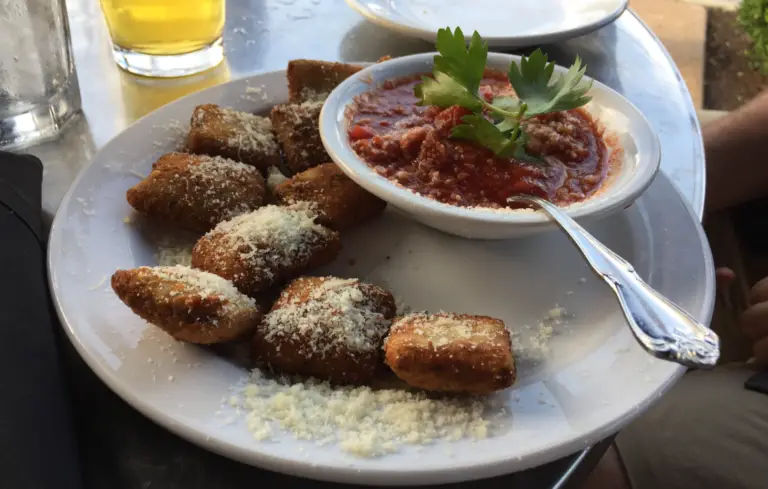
(736, 148)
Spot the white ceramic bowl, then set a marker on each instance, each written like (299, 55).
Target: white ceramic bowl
(634, 173)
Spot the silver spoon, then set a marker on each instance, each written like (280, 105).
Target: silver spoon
(664, 329)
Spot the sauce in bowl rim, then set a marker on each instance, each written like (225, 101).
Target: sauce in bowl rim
(410, 145)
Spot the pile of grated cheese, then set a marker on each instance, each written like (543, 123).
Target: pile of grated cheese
(336, 315)
(362, 421)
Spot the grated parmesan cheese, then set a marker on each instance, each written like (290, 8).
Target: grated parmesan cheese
(336, 315)
(250, 132)
(443, 328)
(219, 186)
(534, 344)
(212, 167)
(362, 421)
(273, 236)
(299, 113)
(203, 283)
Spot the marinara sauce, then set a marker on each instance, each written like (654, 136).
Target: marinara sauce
(411, 145)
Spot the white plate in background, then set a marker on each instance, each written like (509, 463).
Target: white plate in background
(503, 23)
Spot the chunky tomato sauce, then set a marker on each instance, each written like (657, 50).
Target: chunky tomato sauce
(411, 145)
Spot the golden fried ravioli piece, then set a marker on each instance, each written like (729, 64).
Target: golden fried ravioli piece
(341, 203)
(298, 131)
(448, 352)
(326, 327)
(310, 80)
(266, 247)
(197, 191)
(188, 304)
(240, 136)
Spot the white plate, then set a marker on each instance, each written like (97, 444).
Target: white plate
(502, 23)
(593, 380)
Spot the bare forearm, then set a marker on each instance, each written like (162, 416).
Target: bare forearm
(736, 148)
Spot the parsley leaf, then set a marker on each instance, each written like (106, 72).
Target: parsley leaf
(444, 91)
(531, 81)
(464, 64)
(498, 125)
(507, 104)
(478, 129)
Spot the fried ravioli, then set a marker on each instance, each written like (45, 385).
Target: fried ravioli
(326, 327)
(197, 191)
(341, 203)
(455, 353)
(267, 247)
(311, 80)
(240, 136)
(297, 128)
(190, 305)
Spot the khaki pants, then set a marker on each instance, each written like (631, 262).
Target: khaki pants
(708, 432)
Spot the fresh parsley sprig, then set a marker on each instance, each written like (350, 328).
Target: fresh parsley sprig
(498, 125)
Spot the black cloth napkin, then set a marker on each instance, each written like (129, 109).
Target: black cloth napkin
(38, 448)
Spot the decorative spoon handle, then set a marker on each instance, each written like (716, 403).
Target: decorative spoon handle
(662, 327)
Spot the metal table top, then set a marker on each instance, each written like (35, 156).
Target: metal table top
(263, 35)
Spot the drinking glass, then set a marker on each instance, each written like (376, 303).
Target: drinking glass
(39, 93)
(165, 38)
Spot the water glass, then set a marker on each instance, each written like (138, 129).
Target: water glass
(39, 93)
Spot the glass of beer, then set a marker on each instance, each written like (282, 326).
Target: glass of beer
(165, 38)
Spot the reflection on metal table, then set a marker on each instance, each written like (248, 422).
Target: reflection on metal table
(263, 35)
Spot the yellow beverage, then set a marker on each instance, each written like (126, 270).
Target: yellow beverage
(164, 27)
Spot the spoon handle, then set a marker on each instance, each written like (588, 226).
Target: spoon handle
(662, 327)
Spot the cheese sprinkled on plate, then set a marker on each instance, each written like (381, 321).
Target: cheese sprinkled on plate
(362, 421)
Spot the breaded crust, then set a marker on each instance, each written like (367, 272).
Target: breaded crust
(310, 80)
(298, 131)
(341, 203)
(447, 352)
(190, 305)
(197, 191)
(240, 136)
(326, 327)
(266, 247)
